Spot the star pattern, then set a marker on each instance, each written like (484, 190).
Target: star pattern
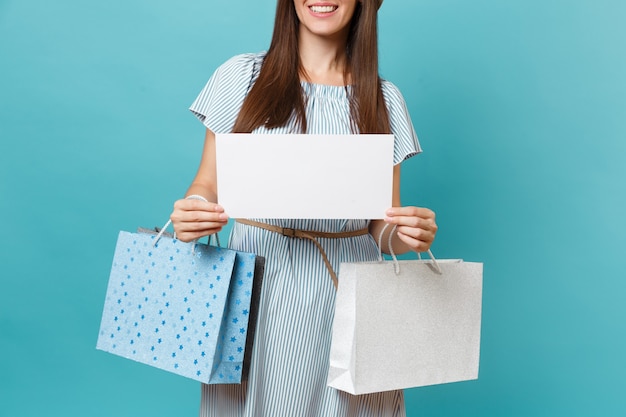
(160, 301)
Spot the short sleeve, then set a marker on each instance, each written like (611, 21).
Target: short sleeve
(219, 102)
(406, 143)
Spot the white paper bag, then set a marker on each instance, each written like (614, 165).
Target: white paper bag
(415, 328)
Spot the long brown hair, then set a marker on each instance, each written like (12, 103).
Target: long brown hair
(277, 93)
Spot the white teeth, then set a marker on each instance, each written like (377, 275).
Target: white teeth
(323, 9)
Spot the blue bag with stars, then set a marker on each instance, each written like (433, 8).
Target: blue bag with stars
(187, 308)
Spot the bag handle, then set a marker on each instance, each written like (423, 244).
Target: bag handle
(396, 264)
(169, 221)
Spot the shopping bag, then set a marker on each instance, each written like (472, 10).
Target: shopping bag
(187, 308)
(402, 324)
(239, 322)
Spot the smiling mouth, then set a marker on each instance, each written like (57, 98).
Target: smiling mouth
(323, 9)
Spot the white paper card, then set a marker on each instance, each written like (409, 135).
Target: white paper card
(295, 176)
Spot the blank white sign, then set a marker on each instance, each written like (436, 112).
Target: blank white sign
(286, 176)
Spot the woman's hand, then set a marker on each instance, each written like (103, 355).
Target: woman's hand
(193, 219)
(416, 227)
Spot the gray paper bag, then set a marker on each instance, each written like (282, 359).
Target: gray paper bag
(405, 324)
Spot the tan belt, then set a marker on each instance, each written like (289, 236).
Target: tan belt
(311, 235)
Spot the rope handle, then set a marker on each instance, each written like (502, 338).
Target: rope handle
(195, 242)
(396, 264)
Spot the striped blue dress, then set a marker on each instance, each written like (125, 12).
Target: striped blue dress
(292, 342)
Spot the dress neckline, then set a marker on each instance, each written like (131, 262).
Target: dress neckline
(325, 90)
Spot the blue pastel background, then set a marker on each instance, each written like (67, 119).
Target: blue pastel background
(520, 107)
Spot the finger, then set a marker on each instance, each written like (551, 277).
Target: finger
(196, 216)
(197, 205)
(197, 226)
(415, 244)
(411, 211)
(413, 222)
(425, 235)
(195, 235)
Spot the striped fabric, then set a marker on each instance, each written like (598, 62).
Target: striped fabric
(292, 342)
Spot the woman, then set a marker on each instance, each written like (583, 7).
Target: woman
(319, 76)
